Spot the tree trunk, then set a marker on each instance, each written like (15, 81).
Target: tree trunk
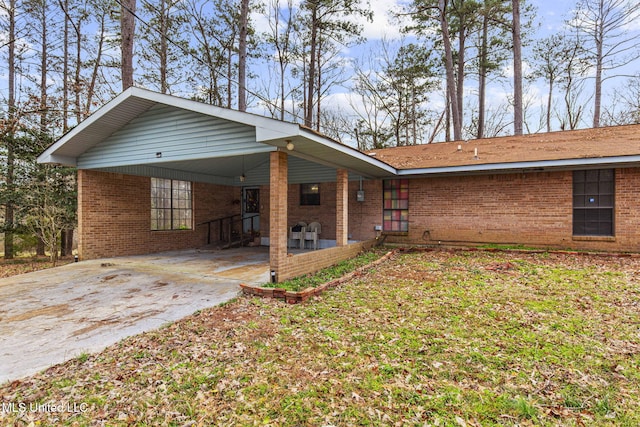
(482, 77)
(318, 81)
(460, 73)
(40, 247)
(63, 243)
(311, 77)
(44, 62)
(65, 69)
(10, 159)
(164, 48)
(127, 27)
(229, 73)
(599, 40)
(517, 70)
(242, 55)
(66, 242)
(451, 83)
(77, 78)
(549, 103)
(96, 67)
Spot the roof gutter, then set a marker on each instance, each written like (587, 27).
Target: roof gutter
(345, 149)
(519, 167)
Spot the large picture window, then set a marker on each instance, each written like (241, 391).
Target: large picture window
(593, 202)
(395, 215)
(170, 204)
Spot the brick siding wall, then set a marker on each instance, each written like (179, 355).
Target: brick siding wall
(534, 209)
(114, 215)
(363, 216)
(531, 209)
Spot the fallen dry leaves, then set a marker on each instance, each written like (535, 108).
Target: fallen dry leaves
(26, 265)
(455, 338)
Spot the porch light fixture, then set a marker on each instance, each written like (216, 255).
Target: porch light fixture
(290, 145)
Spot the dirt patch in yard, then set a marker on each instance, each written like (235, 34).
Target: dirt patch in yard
(52, 311)
(242, 273)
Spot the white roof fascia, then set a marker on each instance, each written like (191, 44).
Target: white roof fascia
(275, 131)
(49, 156)
(523, 166)
(350, 151)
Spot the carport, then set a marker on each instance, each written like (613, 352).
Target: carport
(142, 134)
(51, 316)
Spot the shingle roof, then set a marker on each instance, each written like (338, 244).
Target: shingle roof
(577, 144)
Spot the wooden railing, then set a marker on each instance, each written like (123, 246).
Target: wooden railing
(225, 227)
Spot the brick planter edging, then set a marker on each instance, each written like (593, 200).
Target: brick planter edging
(292, 297)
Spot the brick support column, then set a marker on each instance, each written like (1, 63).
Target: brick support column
(82, 198)
(342, 207)
(278, 215)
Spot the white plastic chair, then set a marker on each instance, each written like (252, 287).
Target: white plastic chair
(312, 233)
(298, 235)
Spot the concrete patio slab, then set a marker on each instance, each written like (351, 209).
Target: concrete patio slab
(49, 316)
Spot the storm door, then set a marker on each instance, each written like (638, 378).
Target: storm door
(251, 209)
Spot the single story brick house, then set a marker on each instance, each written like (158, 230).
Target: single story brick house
(156, 171)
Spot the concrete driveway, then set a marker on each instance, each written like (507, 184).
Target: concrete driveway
(50, 316)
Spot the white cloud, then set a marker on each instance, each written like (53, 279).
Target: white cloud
(384, 25)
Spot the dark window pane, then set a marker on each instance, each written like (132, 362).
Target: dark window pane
(310, 194)
(593, 202)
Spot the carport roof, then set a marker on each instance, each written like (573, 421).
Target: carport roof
(267, 135)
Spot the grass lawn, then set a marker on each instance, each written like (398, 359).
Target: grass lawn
(433, 338)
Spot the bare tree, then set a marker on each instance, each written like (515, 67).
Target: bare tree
(97, 69)
(211, 46)
(492, 48)
(625, 108)
(242, 55)
(368, 103)
(8, 134)
(127, 30)
(281, 37)
(517, 70)
(164, 46)
(452, 95)
(329, 23)
(549, 55)
(611, 44)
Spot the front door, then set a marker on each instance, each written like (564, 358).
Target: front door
(250, 209)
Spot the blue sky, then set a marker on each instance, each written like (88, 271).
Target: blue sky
(550, 19)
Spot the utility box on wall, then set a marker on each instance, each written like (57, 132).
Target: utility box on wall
(360, 196)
